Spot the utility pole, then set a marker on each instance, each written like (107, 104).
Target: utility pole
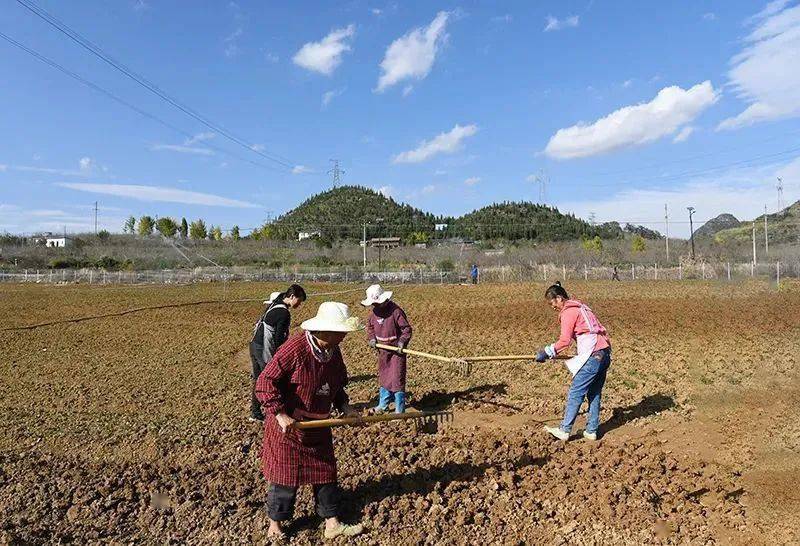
(766, 236)
(666, 223)
(364, 245)
(336, 173)
(691, 228)
(779, 186)
(95, 217)
(755, 262)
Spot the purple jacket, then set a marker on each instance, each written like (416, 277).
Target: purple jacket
(389, 325)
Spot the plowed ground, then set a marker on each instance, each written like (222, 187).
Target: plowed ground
(133, 428)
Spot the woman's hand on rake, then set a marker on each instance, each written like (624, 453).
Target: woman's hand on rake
(285, 422)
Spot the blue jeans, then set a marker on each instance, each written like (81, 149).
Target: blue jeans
(385, 397)
(588, 383)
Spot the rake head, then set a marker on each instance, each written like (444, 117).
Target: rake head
(430, 422)
(464, 366)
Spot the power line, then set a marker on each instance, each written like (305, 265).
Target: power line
(119, 100)
(95, 50)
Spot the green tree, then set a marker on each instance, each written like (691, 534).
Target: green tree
(638, 243)
(197, 230)
(594, 244)
(103, 235)
(129, 226)
(166, 226)
(235, 233)
(216, 233)
(146, 225)
(418, 237)
(184, 229)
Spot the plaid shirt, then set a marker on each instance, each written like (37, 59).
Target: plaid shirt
(388, 324)
(304, 387)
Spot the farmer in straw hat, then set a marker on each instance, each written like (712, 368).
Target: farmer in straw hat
(269, 333)
(303, 381)
(388, 324)
(588, 368)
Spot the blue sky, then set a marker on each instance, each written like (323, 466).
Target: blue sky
(448, 106)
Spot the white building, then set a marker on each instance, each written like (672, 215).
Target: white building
(303, 235)
(58, 242)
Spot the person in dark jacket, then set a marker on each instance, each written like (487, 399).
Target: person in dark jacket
(269, 333)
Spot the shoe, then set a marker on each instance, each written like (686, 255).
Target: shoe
(558, 433)
(590, 435)
(344, 530)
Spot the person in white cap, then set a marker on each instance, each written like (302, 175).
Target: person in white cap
(387, 324)
(269, 333)
(304, 380)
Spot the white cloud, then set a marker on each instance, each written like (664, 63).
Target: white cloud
(328, 96)
(627, 83)
(472, 180)
(157, 193)
(199, 137)
(376, 12)
(671, 109)
(683, 134)
(554, 23)
(412, 55)
(710, 16)
(765, 73)
(443, 143)
(430, 188)
(439, 172)
(86, 164)
(181, 149)
(302, 169)
(739, 191)
(386, 191)
(232, 43)
(44, 170)
(407, 90)
(324, 56)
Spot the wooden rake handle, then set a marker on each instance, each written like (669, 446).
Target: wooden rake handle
(415, 353)
(509, 357)
(351, 421)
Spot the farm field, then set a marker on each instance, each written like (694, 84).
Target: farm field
(132, 427)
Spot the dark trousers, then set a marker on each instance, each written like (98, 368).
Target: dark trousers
(281, 498)
(257, 358)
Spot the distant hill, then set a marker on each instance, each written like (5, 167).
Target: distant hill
(341, 212)
(783, 226)
(715, 225)
(523, 220)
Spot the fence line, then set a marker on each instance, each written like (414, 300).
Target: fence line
(497, 274)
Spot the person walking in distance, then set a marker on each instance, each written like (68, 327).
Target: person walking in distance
(588, 368)
(474, 273)
(304, 381)
(388, 324)
(269, 333)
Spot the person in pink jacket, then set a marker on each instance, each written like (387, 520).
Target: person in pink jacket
(388, 325)
(588, 367)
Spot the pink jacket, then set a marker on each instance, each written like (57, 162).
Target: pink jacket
(573, 324)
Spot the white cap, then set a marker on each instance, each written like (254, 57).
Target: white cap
(376, 294)
(272, 298)
(332, 317)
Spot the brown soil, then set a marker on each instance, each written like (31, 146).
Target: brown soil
(133, 428)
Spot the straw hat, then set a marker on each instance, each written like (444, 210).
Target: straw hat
(272, 298)
(332, 317)
(376, 294)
